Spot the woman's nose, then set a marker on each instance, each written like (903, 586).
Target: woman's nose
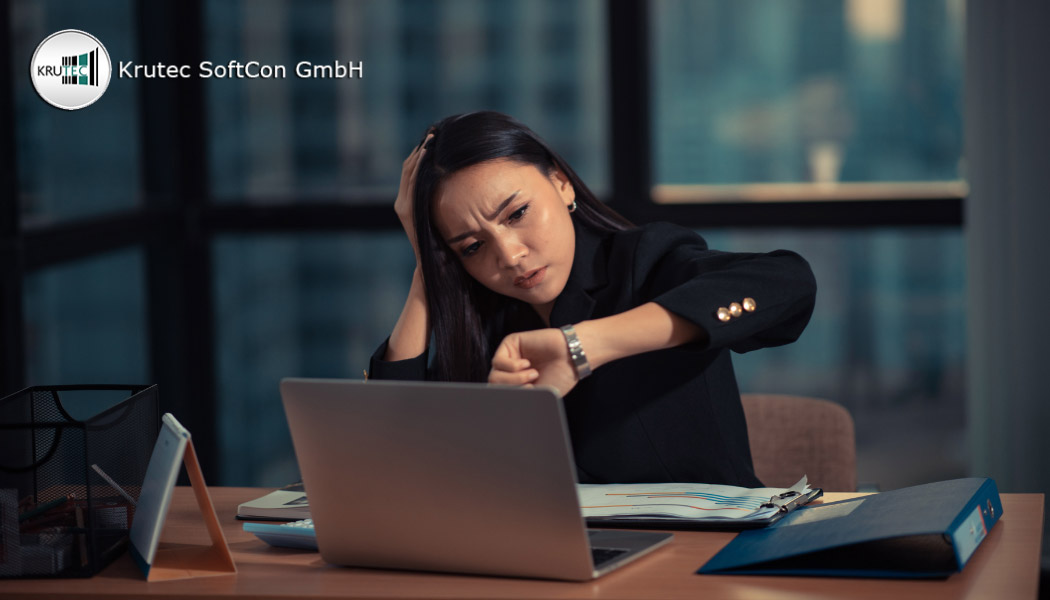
(510, 252)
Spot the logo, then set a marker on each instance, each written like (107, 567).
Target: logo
(70, 69)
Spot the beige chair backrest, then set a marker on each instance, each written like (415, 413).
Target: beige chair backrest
(795, 435)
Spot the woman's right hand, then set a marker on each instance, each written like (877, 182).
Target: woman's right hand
(412, 330)
(405, 193)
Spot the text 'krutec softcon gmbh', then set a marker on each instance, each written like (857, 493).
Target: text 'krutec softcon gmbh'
(235, 69)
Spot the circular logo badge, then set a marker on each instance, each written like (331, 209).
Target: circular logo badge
(70, 69)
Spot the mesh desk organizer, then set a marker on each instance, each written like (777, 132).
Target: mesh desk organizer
(60, 513)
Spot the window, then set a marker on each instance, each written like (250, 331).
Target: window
(344, 139)
(295, 306)
(887, 340)
(73, 165)
(805, 99)
(86, 322)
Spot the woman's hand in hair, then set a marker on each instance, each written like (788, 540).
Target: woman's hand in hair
(403, 204)
(412, 330)
(539, 357)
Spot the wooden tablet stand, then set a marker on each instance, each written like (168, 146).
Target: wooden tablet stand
(195, 561)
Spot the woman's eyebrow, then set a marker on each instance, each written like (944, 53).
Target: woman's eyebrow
(491, 217)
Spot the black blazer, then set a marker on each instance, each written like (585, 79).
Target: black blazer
(672, 415)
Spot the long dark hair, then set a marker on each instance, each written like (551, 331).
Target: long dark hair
(465, 316)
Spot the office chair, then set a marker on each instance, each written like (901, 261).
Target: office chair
(795, 435)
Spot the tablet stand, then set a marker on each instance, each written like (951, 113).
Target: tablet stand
(197, 560)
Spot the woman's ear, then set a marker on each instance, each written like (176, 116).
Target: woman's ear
(563, 186)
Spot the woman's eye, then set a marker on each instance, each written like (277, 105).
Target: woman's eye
(518, 214)
(471, 249)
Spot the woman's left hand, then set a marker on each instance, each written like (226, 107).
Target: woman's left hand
(538, 357)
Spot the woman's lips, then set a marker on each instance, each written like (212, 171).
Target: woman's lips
(531, 279)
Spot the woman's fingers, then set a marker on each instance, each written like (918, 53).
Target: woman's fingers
(410, 166)
(409, 171)
(419, 149)
(511, 370)
(513, 377)
(403, 202)
(506, 363)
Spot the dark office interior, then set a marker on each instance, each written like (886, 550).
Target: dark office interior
(215, 235)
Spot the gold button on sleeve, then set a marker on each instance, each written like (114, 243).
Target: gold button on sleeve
(735, 309)
(723, 314)
(749, 304)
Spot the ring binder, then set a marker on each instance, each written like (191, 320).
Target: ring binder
(924, 531)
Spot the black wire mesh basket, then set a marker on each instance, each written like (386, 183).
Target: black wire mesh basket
(68, 486)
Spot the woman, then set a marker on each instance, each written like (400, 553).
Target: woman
(523, 277)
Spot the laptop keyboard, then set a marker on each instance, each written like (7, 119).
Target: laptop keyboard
(602, 556)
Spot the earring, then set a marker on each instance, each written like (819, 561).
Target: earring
(572, 208)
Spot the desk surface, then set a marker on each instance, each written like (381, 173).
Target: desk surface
(1006, 565)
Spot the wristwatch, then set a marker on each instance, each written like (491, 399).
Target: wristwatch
(579, 358)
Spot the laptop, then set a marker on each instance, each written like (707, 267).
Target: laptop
(462, 478)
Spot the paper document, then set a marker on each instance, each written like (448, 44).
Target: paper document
(286, 504)
(691, 501)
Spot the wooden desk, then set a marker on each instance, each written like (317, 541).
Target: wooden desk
(1006, 565)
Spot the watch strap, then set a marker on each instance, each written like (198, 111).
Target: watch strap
(576, 353)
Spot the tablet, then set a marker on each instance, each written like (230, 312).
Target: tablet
(152, 506)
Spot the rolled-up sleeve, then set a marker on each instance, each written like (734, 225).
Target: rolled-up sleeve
(411, 369)
(744, 301)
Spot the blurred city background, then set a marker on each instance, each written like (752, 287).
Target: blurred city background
(742, 92)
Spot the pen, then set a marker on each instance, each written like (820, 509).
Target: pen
(43, 508)
(113, 484)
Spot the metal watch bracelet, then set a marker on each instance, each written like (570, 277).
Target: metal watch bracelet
(579, 358)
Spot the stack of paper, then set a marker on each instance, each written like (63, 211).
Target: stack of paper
(688, 502)
(286, 504)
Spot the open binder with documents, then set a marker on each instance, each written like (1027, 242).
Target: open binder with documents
(690, 505)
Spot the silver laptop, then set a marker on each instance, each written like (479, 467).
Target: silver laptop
(464, 478)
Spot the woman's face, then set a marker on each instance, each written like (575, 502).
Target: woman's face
(510, 226)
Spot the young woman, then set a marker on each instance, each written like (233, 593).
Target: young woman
(523, 277)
